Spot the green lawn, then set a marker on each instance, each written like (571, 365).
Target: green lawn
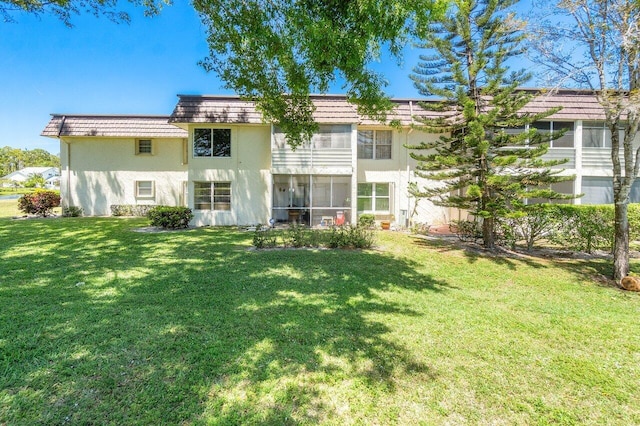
(103, 325)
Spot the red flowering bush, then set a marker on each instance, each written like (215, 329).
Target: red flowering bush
(39, 203)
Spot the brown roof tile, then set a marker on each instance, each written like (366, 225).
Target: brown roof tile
(577, 105)
(112, 126)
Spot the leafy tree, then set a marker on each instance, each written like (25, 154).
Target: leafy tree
(488, 159)
(65, 9)
(603, 55)
(12, 159)
(34, 181)
(276, 52)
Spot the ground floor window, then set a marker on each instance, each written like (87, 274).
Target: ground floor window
(144, 189)
(374, 198)
(212, 195)
(599, 190)
(311, 199)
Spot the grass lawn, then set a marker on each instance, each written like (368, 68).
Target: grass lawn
(103, 325)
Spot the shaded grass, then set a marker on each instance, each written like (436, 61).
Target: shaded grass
(100, 324)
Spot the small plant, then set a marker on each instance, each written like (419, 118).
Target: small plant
(467, 230)
(367, 220)
(350, 237)
(420, 228)
(40, 203)
(295, 236)
(169, 217)
(72, 211)
(264, 237)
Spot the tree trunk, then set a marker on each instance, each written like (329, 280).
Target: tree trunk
(488, 233)
(621, 241)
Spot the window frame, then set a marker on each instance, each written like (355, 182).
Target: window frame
(139, 143)
(152, 189)
(374, 197)
(374, 145)
(219, 195)
(550, 127)
(605, 136)
(212, 141)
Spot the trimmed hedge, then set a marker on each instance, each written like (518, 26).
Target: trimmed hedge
(130, 210)
(169, 217)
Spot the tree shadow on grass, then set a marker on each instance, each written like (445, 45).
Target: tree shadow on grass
(474, 252)
(104, 325)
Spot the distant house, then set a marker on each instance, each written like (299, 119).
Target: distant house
(25, 174)
(218, 156)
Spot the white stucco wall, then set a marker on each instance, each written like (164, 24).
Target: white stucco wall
(248, 170)
(399, 172)
(99, 172)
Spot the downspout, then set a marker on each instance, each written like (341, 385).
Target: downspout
(68, 161)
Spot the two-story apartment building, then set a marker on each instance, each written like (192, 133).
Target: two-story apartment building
(218, 156)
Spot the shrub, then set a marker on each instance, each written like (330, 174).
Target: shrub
(40, 203)
(367, 220)
(264, 237)
(130, 209)
(350, 237)
(535, 223)
(585, 227)
(72, 211)
(467, 230)
(295, 236)
(301, 236)
(169, 217)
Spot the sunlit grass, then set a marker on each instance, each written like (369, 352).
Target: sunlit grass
(103, 325)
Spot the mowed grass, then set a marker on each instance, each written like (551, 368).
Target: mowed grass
(103, 325)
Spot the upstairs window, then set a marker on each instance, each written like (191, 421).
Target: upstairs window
(564, 141)
(332, 137)
(374, 144)
(212, 142)
(595, 135)
(144, 147)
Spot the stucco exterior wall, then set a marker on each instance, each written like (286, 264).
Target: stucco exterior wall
(398, 171)
(98, 172)
(248, 170)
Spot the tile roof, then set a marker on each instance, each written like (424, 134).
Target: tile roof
(139, 126)
(215, 109)
(576, 105)
(335, 109)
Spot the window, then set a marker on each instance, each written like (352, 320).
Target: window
(212, 195)
(596, 135)
(144, 189)
(144, 146)
(374, 144)
(373, 197)
(212, 142)
(332, 137)
(564, 141)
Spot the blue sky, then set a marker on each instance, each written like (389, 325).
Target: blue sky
(99, 67)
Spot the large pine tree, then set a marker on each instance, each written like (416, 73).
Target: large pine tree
(488, 159)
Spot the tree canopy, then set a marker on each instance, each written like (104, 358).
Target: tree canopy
(277, 52)
(65, 9)
(488, 159)
(596, 45)
(12, 159)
